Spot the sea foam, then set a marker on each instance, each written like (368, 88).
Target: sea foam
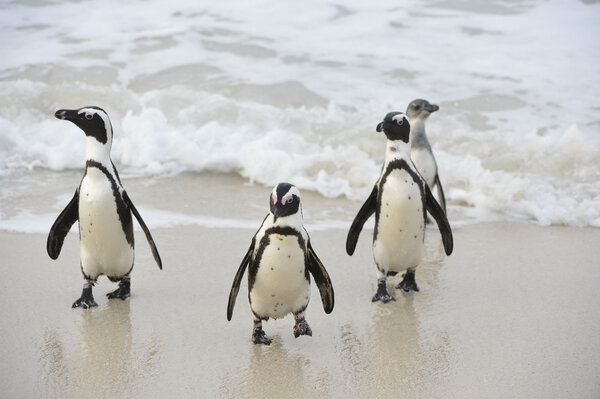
(286, 92)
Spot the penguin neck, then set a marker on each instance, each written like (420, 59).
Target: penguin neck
(294, 220)
(417, 132)
(397, 149)
(96, 151)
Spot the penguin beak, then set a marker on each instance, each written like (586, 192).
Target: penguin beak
(66, 114)
(379, 127)
(277, 211)
(432, 108)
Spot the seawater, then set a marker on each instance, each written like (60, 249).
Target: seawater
(292, 91)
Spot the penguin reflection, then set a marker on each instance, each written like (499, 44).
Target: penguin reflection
(276, 372)
(414, 353)
(104, 357)
(105, 350)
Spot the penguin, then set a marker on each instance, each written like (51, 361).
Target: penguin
(103, 209)
(280, 261)
(421, 154)
(400, 200)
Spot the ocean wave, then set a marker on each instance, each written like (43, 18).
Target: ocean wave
(252, 91)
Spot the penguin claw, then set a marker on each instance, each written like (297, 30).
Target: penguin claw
(259, 337)
(123, 292)
(407, 287)
(302, 328)
(382, 297)
(84, 303)
(119, 294)
(408, 283)
(382, 292)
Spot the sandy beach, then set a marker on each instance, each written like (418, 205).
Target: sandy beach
(513, 312)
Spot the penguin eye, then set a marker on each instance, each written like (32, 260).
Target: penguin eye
(89, 116)
(287, 200)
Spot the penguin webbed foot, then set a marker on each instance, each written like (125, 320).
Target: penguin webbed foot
(408, 283)
(385, 298)
(259, 337)
(123, 292)
(382, 294)
(86, 301)
(302, 328)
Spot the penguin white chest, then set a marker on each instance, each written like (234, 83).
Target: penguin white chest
(400, 227)
(425, 164)
(103, 246)
(281, 286)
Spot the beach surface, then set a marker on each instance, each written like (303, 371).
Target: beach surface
(513, 312)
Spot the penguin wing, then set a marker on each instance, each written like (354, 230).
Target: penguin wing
(316, 268)
(363, 214)
(439, 215)
(237, 280)
(144, 227)
(440, 191)
(62, 225)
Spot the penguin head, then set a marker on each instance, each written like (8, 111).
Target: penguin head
(395, 126)
(284, 201)
(92, 120)
(420, 109)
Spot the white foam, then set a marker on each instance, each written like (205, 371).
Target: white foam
(29, 222)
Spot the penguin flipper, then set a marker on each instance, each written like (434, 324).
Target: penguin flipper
(319, 273)
(437, 182)
(439, 215)
(237, 280)
(363, 214)
(62, 225)
(144, 227)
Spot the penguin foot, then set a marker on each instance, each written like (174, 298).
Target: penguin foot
(302, 328)
(385, 298)
(87, 299)
(382, 293)
(259, 336)
(408, 283)
(122, 292)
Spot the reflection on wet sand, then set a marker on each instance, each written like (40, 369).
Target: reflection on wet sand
(275, 372)
(104, 357)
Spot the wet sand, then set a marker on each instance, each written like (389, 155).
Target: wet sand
(514, 312)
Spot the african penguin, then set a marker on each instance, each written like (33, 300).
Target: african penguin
(421, 154)
(103, 209)
(279, 261)
(400, 199)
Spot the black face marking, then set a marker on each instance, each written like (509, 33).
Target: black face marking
(395, 126)
(92, 125)
(122, 208)
(280, 205)
(402, 165)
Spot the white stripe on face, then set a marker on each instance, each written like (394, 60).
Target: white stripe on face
(288, 197)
